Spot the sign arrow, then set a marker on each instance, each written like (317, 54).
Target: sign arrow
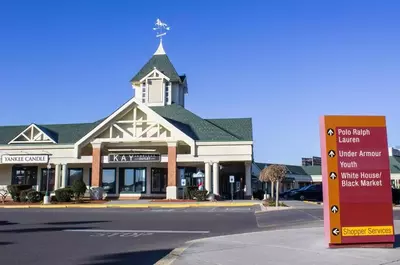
(334, 209)
(330, 132)
(335, 231)
(332, 175)
(331, 153)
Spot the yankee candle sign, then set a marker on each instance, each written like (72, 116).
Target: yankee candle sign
(356, 182)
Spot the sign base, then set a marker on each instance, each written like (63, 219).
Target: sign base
(363, 245)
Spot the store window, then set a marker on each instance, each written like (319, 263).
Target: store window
(159, 180)
(24, 176)
(187, 173)
(74, 174)
(132, 180)
(45, 174)
(109, 180)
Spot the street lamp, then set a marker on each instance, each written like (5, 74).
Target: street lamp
(46, 199)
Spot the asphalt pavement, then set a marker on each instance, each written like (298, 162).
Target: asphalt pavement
(111, 236)
(130, 236)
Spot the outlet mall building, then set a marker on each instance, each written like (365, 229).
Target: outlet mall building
(145, 148)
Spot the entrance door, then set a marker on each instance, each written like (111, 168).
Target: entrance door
(24, 175)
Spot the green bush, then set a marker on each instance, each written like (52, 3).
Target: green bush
(201, 195)
(64, 194)
(258, 194)
(23, 196)
(15, 191)
(34, 196)
(190, 191)
(79, 188)
(396, 196)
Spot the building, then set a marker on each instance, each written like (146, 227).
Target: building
(143, 149)
(300, 176)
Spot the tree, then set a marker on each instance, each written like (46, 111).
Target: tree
(274, 173)
(265, 177)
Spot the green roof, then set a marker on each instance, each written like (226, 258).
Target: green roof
(206, 130)
(61, 133)
(163, 64)
(189, 123)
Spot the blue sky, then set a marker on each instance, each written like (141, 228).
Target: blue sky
(284, 63)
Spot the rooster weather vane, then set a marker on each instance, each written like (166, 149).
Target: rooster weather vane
(161, 28)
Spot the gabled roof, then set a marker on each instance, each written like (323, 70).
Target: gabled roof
(206, 130)
(64, 133)
(163, 64)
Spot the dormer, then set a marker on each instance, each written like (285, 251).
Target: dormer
(158, 83)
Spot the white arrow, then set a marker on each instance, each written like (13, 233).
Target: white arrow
(334, 209)
(335, 231)
(331, 132)
(331, 153)
(333, 175)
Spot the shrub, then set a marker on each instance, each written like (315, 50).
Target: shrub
(64, 194)
(34, 196)
(190, 191)
(396, 196)
(15, 191)
(258, 194)
(23, 196)
(201, 195)
(79, 188)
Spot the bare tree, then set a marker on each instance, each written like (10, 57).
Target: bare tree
(275, 173)
(3, 195)
(265, 177)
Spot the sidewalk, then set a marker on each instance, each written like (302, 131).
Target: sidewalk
(303, 246)
(137, 204)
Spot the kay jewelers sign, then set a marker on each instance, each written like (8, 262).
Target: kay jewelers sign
(356, 181)
(125, 158)
(24, 159)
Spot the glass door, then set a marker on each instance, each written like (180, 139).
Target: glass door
(43, 185)
(159, 180)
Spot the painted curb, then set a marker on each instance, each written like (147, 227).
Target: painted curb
(174, 254)
(103, 206)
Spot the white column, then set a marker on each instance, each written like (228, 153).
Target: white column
(64, 178)
(57, 176)
(148, 180)
(216, 178)
(207, 173)
(249, 191)
(39, 179)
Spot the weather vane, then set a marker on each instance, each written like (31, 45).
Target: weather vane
(161, 28)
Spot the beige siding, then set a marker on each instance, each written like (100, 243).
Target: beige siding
(155, 88)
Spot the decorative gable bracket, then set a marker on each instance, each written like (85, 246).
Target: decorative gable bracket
(154, 74)
(32, 134)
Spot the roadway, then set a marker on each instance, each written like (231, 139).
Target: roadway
(129, 236)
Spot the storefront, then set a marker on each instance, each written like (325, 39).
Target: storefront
(143, 149)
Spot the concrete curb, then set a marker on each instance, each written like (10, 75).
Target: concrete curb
(174, 254)
(312, 202)
(272, 209)
(146, 206)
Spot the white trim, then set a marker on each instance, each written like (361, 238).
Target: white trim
(224, 143)
(32, 138)
(143, 108)
(35, 147)
(148, 76)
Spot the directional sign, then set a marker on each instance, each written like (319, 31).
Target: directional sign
(335, 231)
(356, 181)
(231, 179)
(334, 209)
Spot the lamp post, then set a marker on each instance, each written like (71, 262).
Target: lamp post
(46, 199)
